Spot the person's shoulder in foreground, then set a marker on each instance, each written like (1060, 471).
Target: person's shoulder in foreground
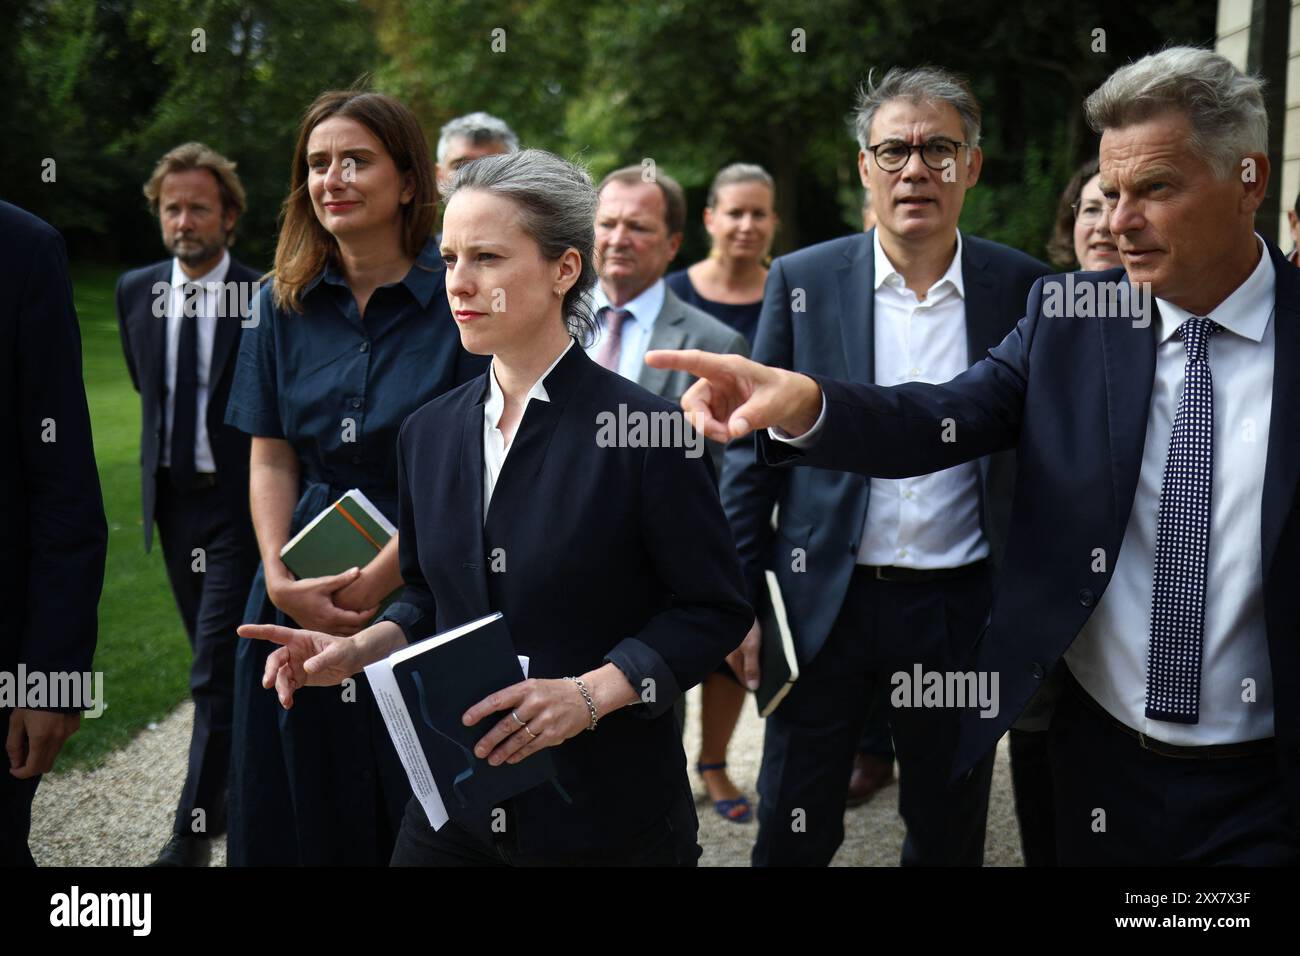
(22, 227)
(24, 241)
(1004, 256)
(845, 247)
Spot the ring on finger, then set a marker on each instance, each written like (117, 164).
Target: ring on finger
(517, 720)
(531, 736)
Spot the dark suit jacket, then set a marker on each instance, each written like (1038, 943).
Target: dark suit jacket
(53, 536)
(144, 342)
(1072, 394)
(823, 512)
(610, 554)
(682, 326)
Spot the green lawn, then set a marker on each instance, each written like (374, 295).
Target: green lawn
(142, 648)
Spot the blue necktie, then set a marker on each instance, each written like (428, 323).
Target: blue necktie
(1183, 541)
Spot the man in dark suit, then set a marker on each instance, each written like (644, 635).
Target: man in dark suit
(55, 536)
(639, 225)
(180, 321)
(1154, 545)
(880, 574)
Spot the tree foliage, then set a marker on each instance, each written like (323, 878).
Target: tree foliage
(106, 86)
(697, 84)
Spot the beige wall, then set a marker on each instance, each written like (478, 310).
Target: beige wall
(1232, 41)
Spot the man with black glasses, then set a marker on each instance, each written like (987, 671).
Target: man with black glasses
(882, 577)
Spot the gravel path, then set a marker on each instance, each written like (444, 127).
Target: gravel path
(121, 813)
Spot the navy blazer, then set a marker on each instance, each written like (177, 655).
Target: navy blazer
(53, 536)
(831, 332)
(592, 554)
(1072, 395)
(144, 344)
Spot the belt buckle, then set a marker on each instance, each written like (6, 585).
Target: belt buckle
(1142, 740)
(880, 573)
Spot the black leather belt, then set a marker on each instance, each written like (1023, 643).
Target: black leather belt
(1247, 748)
(918, 575)
(202, 480)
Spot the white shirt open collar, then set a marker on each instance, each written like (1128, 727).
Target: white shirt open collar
(885, 269)
(217, 274)
(645, 308)
(1245, 312)
(496, 403)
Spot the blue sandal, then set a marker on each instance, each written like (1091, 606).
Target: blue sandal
(737, 810)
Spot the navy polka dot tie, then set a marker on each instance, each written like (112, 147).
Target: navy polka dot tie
(1183, 541)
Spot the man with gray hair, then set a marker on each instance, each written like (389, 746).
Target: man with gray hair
(878, 577)
(640, 218)
(1154, 541)
(470, 137)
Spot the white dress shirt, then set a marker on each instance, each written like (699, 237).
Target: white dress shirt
(1109, 657)
(207, 330)
(637, 327)
(495, 448)
(931, 521)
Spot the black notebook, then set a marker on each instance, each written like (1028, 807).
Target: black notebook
(777, 662)
(423, 691)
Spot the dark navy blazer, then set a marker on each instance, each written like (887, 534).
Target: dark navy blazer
(1072, 396)
(144, 344)
(830, 331)
(53, 536)
(605, 554)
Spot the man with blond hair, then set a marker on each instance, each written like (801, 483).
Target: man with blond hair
(180, 321)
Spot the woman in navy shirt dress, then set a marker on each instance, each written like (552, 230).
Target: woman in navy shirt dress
(353, 334)
(741, 220)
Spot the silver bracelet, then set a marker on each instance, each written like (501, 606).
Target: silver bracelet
(586, 696)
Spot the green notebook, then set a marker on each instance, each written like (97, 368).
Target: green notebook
(347, 534)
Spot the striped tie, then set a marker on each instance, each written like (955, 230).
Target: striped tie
(611, 347)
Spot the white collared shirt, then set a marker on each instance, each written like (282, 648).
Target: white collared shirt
(931, 521)
(207, 330)
(637, 327)
(1109, 657)
(495, 448)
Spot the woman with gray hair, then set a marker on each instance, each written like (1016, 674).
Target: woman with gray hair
(608, 555)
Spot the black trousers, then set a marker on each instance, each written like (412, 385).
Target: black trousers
(15, 810)
(884, 627)
(211, 601)
(875, 740)
(1031, 788)
(1118, 804)
(1031, 772)
(672, 841)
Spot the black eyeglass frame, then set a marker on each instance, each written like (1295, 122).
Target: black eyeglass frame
(957, 145)
(1074, 206)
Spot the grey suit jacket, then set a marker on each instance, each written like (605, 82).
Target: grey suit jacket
(682, 326)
